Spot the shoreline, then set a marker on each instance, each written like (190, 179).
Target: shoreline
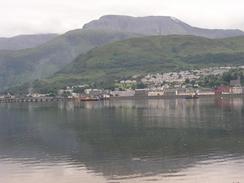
(54, 99)
(176, 97)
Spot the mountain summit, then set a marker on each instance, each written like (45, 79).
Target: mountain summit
(156, 25)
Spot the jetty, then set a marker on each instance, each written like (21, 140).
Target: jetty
(32, 99)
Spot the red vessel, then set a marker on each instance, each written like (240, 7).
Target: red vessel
(84, 99)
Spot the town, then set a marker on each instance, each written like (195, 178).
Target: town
(171, 84)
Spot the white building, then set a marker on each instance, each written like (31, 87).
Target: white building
(127, 93)
(155, 93)
(236, 90)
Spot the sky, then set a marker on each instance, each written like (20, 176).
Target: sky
(59, 16)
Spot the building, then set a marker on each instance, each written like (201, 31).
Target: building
(236, 90)
(141, 92)
(68, 90)
(128, 82)
(170, 92)
(181, 92)
(236, 83)
(222, 90)
(126, 93)
(206, 92)
(36, 95)
(93, 92)
(156, 93)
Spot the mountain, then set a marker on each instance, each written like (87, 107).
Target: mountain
(123, 59)
(25, 41)
(156, 25)
(21, 66)
(26, 65)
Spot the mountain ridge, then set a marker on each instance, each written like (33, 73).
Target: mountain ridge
(25, 41)
(157, 25)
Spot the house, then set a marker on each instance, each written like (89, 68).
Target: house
(35, 95)
(9, 96)
(141, 92)
(186, 92)
(206, 92)
(236, 83)
(181, 92)
(155, 93)
(236, 90)
(128, 82)
(93, 92)
(170, 92)
(126, 93)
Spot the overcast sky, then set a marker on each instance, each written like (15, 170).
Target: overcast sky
(42, 16)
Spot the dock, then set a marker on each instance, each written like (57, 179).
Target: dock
(32, 99)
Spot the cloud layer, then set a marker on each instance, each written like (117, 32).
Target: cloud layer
(42, 16)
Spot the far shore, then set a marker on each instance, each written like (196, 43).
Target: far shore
(54, 99)
(175, 97)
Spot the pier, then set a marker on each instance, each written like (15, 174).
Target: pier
(32, 99)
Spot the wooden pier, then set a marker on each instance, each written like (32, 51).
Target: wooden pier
(32, 99)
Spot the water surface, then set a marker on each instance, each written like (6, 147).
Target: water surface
(123, 141)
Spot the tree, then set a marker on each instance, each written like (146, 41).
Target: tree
(140, 85)
(78, 90)
(187, 81)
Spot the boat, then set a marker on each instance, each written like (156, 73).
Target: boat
(86, 99)
(94, 98)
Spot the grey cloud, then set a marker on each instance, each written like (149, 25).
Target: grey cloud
(41, 16)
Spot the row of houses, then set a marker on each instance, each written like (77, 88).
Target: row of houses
(179, 78)
(225, 90)
(178, 92)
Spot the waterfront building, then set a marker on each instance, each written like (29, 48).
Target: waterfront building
(141, 92)
(126, 93)
(170, 92)
(206, 92)
(222, 90)
(236, 90)
(156, 93)
(236, 83)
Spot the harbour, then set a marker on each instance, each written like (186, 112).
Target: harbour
(141, 140)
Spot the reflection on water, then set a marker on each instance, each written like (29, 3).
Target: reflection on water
(123, 141)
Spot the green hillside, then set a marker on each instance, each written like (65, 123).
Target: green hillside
(123, 59)
(27, 65)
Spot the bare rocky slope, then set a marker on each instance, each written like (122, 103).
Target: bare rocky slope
(156, 25)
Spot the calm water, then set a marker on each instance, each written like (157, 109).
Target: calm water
(123, 141)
